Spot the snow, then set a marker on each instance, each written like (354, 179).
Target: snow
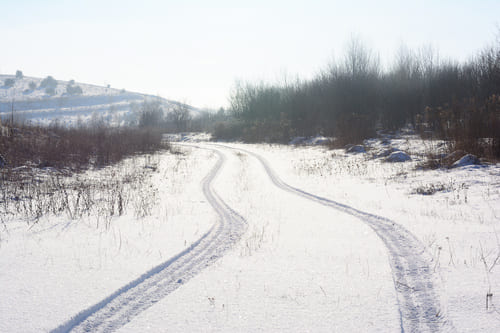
(300, 268)
(398, 156)
(312, 256)
(298, 140)
(63, 266)
(468, 159)
(316, 140)
(356, 149)
(457, 225)
(187, 137)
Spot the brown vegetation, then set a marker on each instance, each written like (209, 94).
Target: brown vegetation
(469, 126)
(75, 148)
(354, 98)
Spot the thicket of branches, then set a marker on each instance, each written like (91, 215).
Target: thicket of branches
(76, 147)
(355, 97)
(95, 143)
(151, 113)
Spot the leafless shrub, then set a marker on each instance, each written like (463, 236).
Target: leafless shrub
(76, 148)
(468, 126)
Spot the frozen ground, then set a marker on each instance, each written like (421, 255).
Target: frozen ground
(319, 240)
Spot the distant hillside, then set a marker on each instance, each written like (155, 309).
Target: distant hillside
(37, 103)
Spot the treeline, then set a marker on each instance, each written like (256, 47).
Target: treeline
(355, 97)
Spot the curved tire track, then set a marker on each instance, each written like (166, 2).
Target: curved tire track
(120, 307)
(414, 280)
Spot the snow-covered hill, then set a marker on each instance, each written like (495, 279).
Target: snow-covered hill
(28, 101)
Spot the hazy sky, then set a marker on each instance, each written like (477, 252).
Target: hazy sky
(195, 50)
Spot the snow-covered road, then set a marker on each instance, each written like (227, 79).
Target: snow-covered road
(123, 305)
(416, 300)
(414, 280)
(256, 242)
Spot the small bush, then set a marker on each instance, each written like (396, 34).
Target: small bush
(73, 90)
(32, 85)
(48, 82)
(9, 83)
(50, 91)
(429, 189)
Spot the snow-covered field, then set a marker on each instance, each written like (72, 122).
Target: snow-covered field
(116, 106)
(266, 238)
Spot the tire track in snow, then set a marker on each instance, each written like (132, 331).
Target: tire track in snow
(120, 307)
(414, 280)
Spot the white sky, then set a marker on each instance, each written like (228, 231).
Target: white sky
(194, 51)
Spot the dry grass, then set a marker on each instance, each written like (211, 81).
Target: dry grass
(35, 181)
(31, 193)
(75, 148)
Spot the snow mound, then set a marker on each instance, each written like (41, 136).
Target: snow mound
(398, 156)
(385, 152)
(319, 140)
(316, 140)
(187, 137)
(355, 149)
(468, 159)
(299, 140)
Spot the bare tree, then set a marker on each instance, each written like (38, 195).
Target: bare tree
(179, 117)
(359, 61)
(151, 114)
